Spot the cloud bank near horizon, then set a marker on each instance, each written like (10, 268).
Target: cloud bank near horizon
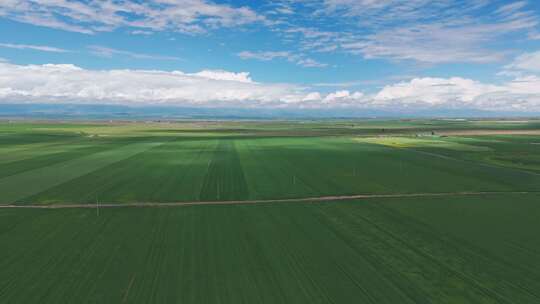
(67, 83)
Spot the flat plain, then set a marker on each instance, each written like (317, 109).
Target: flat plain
(458, 223)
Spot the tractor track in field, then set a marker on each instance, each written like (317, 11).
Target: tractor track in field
(21, 205)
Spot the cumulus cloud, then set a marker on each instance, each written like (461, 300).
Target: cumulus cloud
(42, 48)
(435, 91)
(343, 95)
(313, 96)
(66, 83)
(224, 75)
(520, 94)
(189, 16)
(69, 83)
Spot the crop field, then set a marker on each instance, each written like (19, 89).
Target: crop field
(55, 164)
(449, 250)
(369, 211)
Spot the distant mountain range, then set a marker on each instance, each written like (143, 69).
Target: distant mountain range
(119, 112)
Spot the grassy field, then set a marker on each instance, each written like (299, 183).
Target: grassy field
(70, 163)
(449, 250)
(476, 243)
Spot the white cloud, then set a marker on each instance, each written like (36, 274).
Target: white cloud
(311, 63)
(313, 96)
(66, 83)
(279, 8)
(526, 62)
(110, 52)
(189, 16)
(534, 35)
(384, 11)
(140, 32)
(526, 85)
(338, 95)
(264, 56)
(224, 75)
(461, 40)
(434, 91)
(284, 10)
(426, 31)
(520, 94)
(511, 8)
(430, 43)
(300, 60)
(315, 40)
(344, 98)
(42, 48)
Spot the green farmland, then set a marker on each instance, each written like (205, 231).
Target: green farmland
(371, 211)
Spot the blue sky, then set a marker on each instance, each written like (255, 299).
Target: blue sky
(392, 54)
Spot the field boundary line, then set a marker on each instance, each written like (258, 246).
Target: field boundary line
(315, 199)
